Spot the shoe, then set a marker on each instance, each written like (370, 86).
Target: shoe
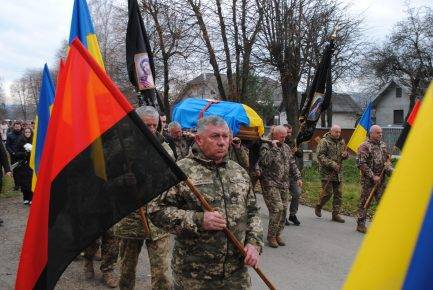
(318, 210)
(361, 229)
(272, 242)
(109, 279)
(280, 241)
(16, 188)
(89, 272)
(337, 218)
(294, 220)
(1, 222)
(287, 223)
(26, 202)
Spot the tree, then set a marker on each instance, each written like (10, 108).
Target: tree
(2, 101)
(292, 40)
(406, 55)
(233, 37)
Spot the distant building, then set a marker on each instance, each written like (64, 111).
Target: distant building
(345, 111)
(391, 104)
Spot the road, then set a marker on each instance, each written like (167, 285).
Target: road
(317, 256)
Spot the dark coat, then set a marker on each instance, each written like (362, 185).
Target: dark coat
(23, 170)
(11, 144)
(4, 162)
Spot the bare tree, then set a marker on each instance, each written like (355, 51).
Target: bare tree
(407, 54)
(292, 40)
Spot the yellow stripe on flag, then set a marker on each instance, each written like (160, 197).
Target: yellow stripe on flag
(32, 155)
(357, 138)
(386, 252)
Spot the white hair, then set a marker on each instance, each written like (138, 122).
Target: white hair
(210, 120)
(147, 111)
(173, 125)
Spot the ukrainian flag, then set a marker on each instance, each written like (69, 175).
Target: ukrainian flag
(397, 253)
(46, 100)
(361, 130)
(82, 27)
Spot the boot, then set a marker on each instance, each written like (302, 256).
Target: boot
(280, 241)
(272, 241)
(89, 272)
(361, 229)
(337, 218)
(318, 210)
(109, 279)
(294, 220)
(1, 222)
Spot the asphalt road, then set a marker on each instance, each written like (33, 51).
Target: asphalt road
(317, 256)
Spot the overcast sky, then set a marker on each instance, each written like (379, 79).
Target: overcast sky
(32, 31)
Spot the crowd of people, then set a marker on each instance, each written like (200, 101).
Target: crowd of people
(225, 169)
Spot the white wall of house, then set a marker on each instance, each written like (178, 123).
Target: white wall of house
(345, 120)
(384, 111)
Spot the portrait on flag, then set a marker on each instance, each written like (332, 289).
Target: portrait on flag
(143, 71)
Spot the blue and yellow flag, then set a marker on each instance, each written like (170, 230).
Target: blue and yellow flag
(397, 252)
(46, 100)
(361, 130)
(82, 27)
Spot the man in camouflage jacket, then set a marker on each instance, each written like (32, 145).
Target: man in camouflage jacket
(180, 142)
(331, 151)
(372, 158)
(203, 257)
(132, 233)
(277, 166)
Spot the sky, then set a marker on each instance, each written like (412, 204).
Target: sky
(32, 31)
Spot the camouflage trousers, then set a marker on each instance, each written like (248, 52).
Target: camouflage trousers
(109, 251)
(277, 200)
(366, 187)
(239, 280)
(295, 192)
(158, 252)
(333, 188)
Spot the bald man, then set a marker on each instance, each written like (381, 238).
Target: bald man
(372, 158)
(331, 152)
(277, 166)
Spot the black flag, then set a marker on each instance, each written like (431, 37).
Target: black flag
(139, 57)
(319, 96)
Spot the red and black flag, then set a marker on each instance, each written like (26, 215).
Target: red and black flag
(319, 95)
(139, 56)
(408, 125)
(72, 205)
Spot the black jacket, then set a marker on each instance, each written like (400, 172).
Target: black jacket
(4, 160)
(11, 144)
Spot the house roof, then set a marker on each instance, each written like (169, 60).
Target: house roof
(393, 82)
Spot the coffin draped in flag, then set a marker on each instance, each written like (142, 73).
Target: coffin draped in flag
(72, 205)
(46, 99)
(397, 252)
(319, 96)
(139, 57)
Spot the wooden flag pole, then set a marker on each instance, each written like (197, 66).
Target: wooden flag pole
(229, 234)
(373, 191)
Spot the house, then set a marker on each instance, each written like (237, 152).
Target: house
(345, 111)
(391, 104)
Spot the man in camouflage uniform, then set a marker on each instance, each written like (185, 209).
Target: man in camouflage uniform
(203, 257)
(331, 151)
(372, 158)
(133, 231)
(277, 165)
(239, 153)
(294, 190)
(179, 142)
(109, 253)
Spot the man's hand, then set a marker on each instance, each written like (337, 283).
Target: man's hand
(8, 174)
(252, 256)
(236, 142)
(376, 179)
(344, 154)
(275, 143)
(388, 164)
(336, 167)
(299, 182)
(213, 221)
